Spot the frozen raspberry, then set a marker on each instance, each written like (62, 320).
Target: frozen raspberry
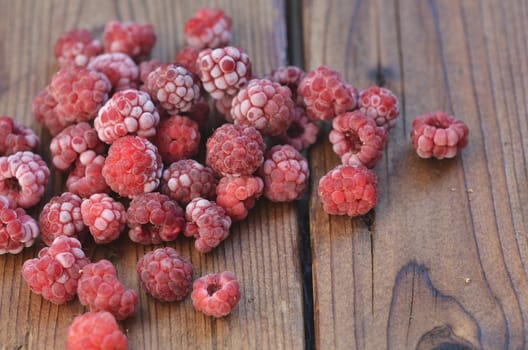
(95, 331)
(187, 57)
(23, 178)
(302, 132)
(86, 178)
(357, 139)
(285, 173)
(224, 71)
(104, 216)
(210, 27)
(165, 274)
(61, 216)
(17, 229)
(56, 271)
(216, 294)
(199, 112)
(177, 137)
(235, 150)
(127, 112)
(100, 290)
(15, 137)
(223, 106)
(207, 222)
(146, 67)
(289, 76)
(120, 69)
(43, 108)
(238, 194)
(134, 39)
(77, 47)
(381, 105)
(132, 166)
(438, 135)
(154, 218)
(348, 190)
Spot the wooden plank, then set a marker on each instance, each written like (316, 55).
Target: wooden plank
(442, 260)
(262, 251)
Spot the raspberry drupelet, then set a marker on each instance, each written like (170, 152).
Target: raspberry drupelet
(302, 132)
(95, 331)
(216, 294)
(209, 27)
(438, 135)
(238, 194)
(289, 76)
(76, 48)
(17, 229)
(61, 216)
(165, 274)
(104, 216)
(43, 108)
(188, 57)
(120, 69)
(15, 137)
(177, 137)
(86, 178)
(381, 105)
(134, 39)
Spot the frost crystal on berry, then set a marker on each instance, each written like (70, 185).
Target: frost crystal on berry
(61, 216)
(120, 69)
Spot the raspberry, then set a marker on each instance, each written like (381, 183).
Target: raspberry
(199, 112)
(132, 166)
(127, 112)
(224, 71)
(43, 108)
(235, 150)
(348, 190)
(15, 137)
(134, 39)
(223, 106)
(100, 290)
(207, 222)
(289, 76)
(237, 194)
(177, 137)
(17, 229)
(154, 218)
(121, 70)
(165, 274)
(210, 27)
(55, 272)
(104, 216)
(23, 178)
(285, 173)
(302, 132)
(357, 139)
(77, 47)
(146, 67)
(95, 331)
(216, 294)
(86, 178)
(381, 105)
(61, 216)
(187, 57)
(438, 135)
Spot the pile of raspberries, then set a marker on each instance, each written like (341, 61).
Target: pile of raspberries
(127, 132)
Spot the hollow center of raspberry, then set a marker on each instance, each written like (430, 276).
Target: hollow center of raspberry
(295, 130)
(354, 142)
(212, 288)
(13, 184)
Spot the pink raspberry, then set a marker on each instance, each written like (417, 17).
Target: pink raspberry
(61, 216)
(95, 331)
(235, 150)
(121, 70)
(17, 229)
(132, 166)
(177, 137)
(199, 112)
(223, 106)
(104, 216)
(207, 222)
(348, 190)
(381, 105)
(216, 294)
(238, 194)
(15, 137)
(23, 178)
(56, 271)
(302, 132)
(209, 27)
(285, 173)
(357, 139)
(86, 178)
(289, 76)
(187, 57)
(154, 218)
(100, 290)
(77, 47)
(134, 39)
(146, 67)
(165, 274)
(43, 108)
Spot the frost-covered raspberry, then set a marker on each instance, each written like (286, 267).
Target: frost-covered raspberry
(153, 218)
(302, 132)
(146, 67)
(285, 173)
(77, 47)
(56, 270)
(165, 274)
(187, 56)
(104, 216)
(289, 76)
(119, 68)
(224, 71)
(177, 137)
(127, 112)
(100, 290)
(238, 194)
(438, 135)
(95, 331)
(23, 178)
(216, 294)
(86, 178)
(209, 27)
(43, 108)
(348, 190)
(199, 112)
(132, 166)
(17, 229)
(357, 139)
(379, 104)
(235, 150)
(61, 216)
(223, 106)
(134, 39)
(207, 222)
(15, 137)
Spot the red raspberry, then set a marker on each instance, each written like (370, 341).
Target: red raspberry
(210, 27)
(302, 132)
(133, 39)
(15, 137)
(23, 178)
(61, 216)
(17, 229)
(223, 106)
(199, 112)
(237, 194)
(146, 67)
(285, 173)
(55, 272)
(438, 135)
(154, 218)
(43, 108)
(289, 76)
(224, 71)
(100, 290)
(77, 47)
(104, 216)
(133, 166)
(357, 139)
(86, 178)
(348, 190)
(235, 150)
(207, 222)
(177, 137)
(165, 274)
(216, 294)
(120, 69)
(381, 105)
(95, 331)
(187, 57)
